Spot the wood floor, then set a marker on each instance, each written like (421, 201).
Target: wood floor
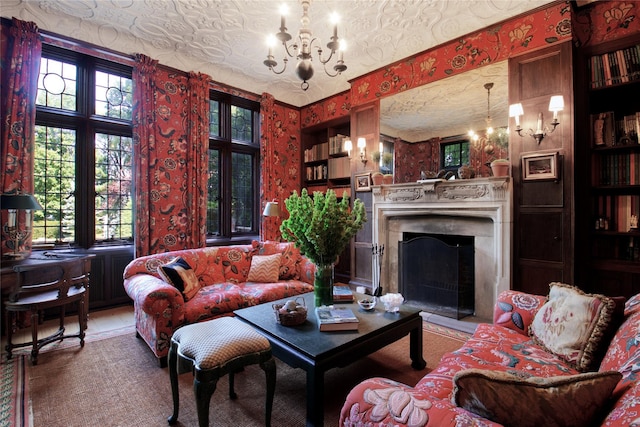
(99, 321)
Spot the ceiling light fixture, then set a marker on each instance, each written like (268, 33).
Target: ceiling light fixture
(302, 48)
(489, 130)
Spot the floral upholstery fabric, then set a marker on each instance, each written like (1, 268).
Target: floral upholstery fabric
(382, 402)
(159, 308)
(289, 261)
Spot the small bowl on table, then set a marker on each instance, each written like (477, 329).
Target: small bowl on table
(367, 303)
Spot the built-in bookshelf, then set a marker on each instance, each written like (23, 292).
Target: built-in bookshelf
(326, 163)
(612, 85)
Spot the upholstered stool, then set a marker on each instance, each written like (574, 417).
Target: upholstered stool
(211, 350)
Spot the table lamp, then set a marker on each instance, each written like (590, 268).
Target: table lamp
(13, 203)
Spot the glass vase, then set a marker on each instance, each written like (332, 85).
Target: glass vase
(323, 285)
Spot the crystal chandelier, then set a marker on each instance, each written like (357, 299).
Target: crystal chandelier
(303, 47)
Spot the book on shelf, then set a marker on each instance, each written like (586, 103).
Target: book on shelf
(342, 293)
(336, 319)
(603, 129)
(612, 68)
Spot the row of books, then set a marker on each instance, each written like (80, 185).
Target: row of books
(610, 131)
(618, 213)
(613, 68)
(336, 144)
(339, 167)
(317, 152)
(618, 169)
(313, 173)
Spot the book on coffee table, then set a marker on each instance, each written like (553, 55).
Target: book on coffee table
(342, 293)
(336, 319)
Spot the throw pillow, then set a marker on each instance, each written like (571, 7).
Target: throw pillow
(574, 325)
(567, 401)
(179, 273)
(264, 268)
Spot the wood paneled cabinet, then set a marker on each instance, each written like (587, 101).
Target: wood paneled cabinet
(608, 79)
(542, 209)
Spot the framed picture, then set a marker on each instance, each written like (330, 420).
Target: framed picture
(363, 182)
(540, 166)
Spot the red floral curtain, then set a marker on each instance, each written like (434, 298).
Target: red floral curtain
(198, 163)
(143, 150)
(171, 140)
(20, 84)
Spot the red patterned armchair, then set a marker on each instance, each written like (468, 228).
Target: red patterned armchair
(222, 285)
(517, 372)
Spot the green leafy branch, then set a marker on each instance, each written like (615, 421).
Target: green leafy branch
(322, 227)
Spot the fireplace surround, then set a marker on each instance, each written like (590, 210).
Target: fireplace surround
(480, 207)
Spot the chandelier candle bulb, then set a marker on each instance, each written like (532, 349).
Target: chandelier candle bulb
(539, 129)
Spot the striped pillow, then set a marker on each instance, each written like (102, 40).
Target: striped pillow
(264, 268)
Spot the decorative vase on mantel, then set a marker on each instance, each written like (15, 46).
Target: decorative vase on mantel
(323, 284)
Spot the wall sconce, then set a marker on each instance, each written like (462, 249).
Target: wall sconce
(271, 209)
(362, 145)
(348, 146)
(555, 104)
(13, 203)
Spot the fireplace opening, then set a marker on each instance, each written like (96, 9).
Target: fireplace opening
(436, 273)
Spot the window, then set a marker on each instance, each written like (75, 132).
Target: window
(454, 154)
(83, 151)
(233, 187)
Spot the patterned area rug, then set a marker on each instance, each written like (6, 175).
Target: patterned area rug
(446, 332)
(15, 408)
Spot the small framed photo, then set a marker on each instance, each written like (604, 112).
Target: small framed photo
(540, 166)
(363, 182)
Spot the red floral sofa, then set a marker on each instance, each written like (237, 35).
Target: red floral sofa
(505, 375)
(222, 272)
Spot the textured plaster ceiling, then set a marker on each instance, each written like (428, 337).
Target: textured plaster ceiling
(226, 38)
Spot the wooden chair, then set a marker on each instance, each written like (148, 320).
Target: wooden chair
(41, 287)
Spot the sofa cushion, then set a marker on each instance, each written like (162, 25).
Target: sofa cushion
(179, 273)
(235, 261)
(574, 325)
(515, 310)
(289, 261)
(264, 268)
(574, 400)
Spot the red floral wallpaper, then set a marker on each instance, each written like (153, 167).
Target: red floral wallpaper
(495, 44)
(605, 21)
(327, 109)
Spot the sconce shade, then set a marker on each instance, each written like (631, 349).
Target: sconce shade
(348, 145)
(362, 143)
(19, 201)
(556, 103)
(271, 209)
(516, 110)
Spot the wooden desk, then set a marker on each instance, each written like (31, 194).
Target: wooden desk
(12, 273)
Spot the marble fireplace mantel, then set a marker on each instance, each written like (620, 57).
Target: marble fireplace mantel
(480, 207)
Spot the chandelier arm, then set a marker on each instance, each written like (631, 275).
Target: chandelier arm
(324, 65)
(284, 67)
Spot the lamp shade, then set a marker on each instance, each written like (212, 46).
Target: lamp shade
(556, 103)
(19, 201)
(516, 110)
(271, 209)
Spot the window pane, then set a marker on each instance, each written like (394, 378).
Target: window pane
(242, 192)
(57, 84)
(214, 118)
(241, 124)
(113, 203)
(113, 95)
(54, 182)
(213, 198)
(456, 154)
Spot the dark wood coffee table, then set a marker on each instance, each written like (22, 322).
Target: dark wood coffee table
(316, 352)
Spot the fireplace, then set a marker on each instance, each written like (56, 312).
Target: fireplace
(436, 273)
(479, 208)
